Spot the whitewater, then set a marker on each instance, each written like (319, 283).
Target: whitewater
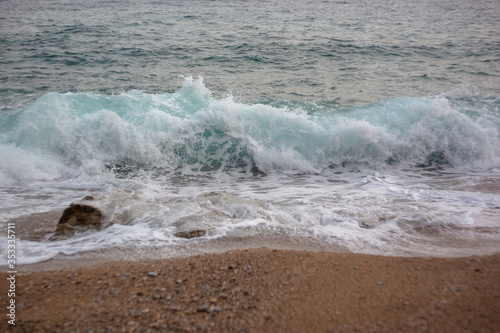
(398, 177)
(315, 131)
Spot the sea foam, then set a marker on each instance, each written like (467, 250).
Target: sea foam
(190, 130)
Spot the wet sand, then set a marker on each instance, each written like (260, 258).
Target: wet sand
(262, 290)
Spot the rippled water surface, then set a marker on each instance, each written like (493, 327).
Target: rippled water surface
(353, 52)
(364, 126)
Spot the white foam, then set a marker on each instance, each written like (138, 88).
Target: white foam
(365, 212)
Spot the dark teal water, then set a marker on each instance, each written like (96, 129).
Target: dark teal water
(352, 52)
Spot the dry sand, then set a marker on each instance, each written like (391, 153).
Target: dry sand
(263, 291)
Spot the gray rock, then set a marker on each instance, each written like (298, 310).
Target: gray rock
(191, 233)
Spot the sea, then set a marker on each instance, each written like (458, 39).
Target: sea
(365, 126)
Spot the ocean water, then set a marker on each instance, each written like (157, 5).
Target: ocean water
(363, 126)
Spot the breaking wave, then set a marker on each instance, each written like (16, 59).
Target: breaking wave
(63, 135)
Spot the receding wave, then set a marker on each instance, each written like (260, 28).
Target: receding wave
(191, 131)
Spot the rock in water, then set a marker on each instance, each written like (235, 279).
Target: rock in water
(191, 233)
(124, 207)
(79, 217)
(97, 212)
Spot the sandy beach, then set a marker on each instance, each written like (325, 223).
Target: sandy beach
(262, 290)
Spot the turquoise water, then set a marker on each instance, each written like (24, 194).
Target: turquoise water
(365, 126)
(193, 132)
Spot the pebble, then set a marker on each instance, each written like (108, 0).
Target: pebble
(202, 308)
(213, 308)
(153, 274)
(158, 324)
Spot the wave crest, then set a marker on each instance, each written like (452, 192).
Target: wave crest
(190, 130)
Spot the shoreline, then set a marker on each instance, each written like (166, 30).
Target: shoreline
(263, 290)
(265, 238)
